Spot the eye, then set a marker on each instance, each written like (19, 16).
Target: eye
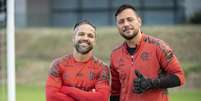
(90, 35)
(81, 34)
(121, 21)
(130, 19)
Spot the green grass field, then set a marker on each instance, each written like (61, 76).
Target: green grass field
(24, 93)
(185, 95)
(36, 93)
(30, 93)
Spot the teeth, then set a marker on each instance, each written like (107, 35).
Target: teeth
(127, 30)
(84, 44)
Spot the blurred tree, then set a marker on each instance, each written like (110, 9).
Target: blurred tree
(196, 18)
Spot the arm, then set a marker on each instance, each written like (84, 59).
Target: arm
(53, 85)
(174, 74)
(115, 86)
(101, 92)
(142, 83)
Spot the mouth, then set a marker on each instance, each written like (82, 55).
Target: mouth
(84, 43)
(127, 30)
(83, 46)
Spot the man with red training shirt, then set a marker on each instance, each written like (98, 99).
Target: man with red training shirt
(143, 67)
(79, 76)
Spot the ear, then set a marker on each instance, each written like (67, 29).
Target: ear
(95, 41)
(140, 20)
(73, 36)
(73, 39)
(116, 22)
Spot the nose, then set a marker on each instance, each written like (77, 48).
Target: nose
(85, 37)
(126, 23)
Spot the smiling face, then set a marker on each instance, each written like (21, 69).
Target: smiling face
(128, 23)
(84, 38)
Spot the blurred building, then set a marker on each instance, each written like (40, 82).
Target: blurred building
(2, 13)
(57, 13)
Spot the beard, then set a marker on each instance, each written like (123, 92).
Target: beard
(129, 33)
(83, 49)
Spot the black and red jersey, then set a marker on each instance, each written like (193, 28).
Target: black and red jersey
(151, 57)
(70, 80)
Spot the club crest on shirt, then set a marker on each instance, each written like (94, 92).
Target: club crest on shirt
(79, 74)
(145, 56)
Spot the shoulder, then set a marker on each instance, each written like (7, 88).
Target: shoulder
(100, 66)
(151, 40)
(161, 47)
(103, 69)
(98, 62)
(54, 68)
(155, 41)
(60, 60)
(117, 48)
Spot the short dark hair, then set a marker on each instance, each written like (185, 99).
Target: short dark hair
(83, 22)
(123, 7)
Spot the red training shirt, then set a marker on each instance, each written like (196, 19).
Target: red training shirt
(69, 80)
(151, 56)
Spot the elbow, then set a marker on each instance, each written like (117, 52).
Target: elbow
(181, 79)
(50, 93)
(50, 96)
(105, 96)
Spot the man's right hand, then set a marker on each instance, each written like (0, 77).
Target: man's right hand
(141, 83)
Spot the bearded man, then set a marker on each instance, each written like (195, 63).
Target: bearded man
(79, 76)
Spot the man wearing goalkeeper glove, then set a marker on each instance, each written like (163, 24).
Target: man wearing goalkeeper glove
(142, 67)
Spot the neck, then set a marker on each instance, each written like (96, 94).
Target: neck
(82, 57)
(133, 42)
